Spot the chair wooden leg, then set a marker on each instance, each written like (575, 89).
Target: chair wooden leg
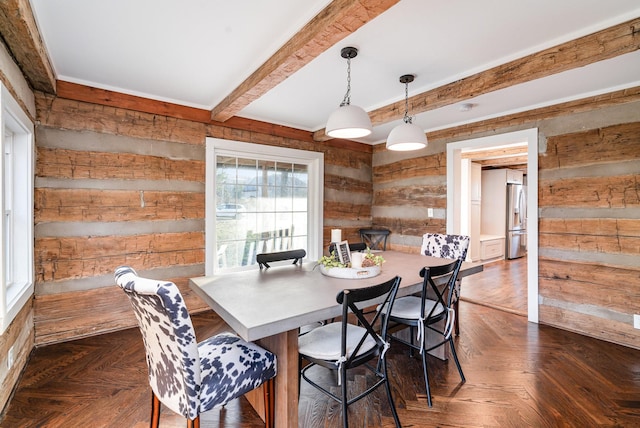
(194, 423)
(155, 411)
(269, 388)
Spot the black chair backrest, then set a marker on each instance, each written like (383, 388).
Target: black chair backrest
(356, 246)
(444, 294)
(349, 298)
(265, 258)
(376, 239)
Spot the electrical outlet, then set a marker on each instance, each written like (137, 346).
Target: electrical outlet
(10, 357)
(636, 321)
(429, 212)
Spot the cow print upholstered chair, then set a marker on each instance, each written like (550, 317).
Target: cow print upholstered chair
(188, 377)
(447, 247)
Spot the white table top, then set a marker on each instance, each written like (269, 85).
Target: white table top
(262, 303)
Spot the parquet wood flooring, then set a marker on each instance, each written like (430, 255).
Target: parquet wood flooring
(501, 285)
(518, 375)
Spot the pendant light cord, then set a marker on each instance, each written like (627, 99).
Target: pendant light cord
(347, 97)
(407, 118)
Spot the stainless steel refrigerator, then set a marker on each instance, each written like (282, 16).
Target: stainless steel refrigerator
(516, 242)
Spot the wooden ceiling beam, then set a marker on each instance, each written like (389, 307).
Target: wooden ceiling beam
(510, 162)
(335, 22)
(495, 153)
(609, 43)
(20, 32)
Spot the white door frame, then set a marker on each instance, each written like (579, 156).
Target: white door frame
(454, 203)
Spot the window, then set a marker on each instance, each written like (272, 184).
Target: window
(260, 198)
(17, 206)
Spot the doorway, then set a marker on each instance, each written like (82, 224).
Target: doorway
(455, 202)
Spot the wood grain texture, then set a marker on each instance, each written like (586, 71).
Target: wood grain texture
(89, 205)
(20, 32)
(87, 256)
(67, 260)
(411, 227)
(593, 293)
(410, 168)
(336, 21)
(605, 44)
(425, 196)
(598, 285)
(73, 164)
(68, 316)
(20, 337)
(593, 192)
(518, 374)
(611, 144)
(534, 117)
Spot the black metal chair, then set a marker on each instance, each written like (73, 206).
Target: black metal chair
(264, 259)
(375, 239)
(427, 312)
(447, 246)
(342, 345)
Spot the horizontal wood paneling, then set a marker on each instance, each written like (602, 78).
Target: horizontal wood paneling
(68, 114)
(64, 316)
(412, 227)
(347, 184)
(81, 256)
(611, 144)
(591, 325)
(591, 226)
(410, 168)
(594, 293)
(606, 286)
(590, 243)
(115, 205)
(346, 211)
(19, 335)
(106, 164)
(426, 196)
(75, 164)
(599, 192)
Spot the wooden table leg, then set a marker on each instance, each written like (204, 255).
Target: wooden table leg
(285, 346)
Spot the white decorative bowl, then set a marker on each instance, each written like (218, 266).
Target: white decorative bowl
(351, 273)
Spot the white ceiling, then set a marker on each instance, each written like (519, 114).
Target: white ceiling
(195, 52)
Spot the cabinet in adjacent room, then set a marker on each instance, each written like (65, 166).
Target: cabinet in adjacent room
(475, 210)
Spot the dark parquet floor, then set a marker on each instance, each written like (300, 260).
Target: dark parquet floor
(518, 375)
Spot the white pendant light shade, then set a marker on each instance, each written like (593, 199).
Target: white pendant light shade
(405, 137)
(348, 121)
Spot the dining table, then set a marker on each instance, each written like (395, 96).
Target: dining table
(268, 306)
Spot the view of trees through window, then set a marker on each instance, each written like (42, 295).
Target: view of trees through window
(261, 206)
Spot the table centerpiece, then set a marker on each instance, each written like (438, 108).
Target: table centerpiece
(332, 266)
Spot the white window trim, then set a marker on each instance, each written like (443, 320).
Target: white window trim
(18, 123)
(315, 163)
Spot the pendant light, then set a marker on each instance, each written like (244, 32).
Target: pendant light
(406, 136)
(348, 121)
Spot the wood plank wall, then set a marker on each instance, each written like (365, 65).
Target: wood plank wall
(589, 232)
(116, 186)
(589, 227)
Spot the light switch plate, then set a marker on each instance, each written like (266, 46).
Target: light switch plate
(636, 321)
(429, 212)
